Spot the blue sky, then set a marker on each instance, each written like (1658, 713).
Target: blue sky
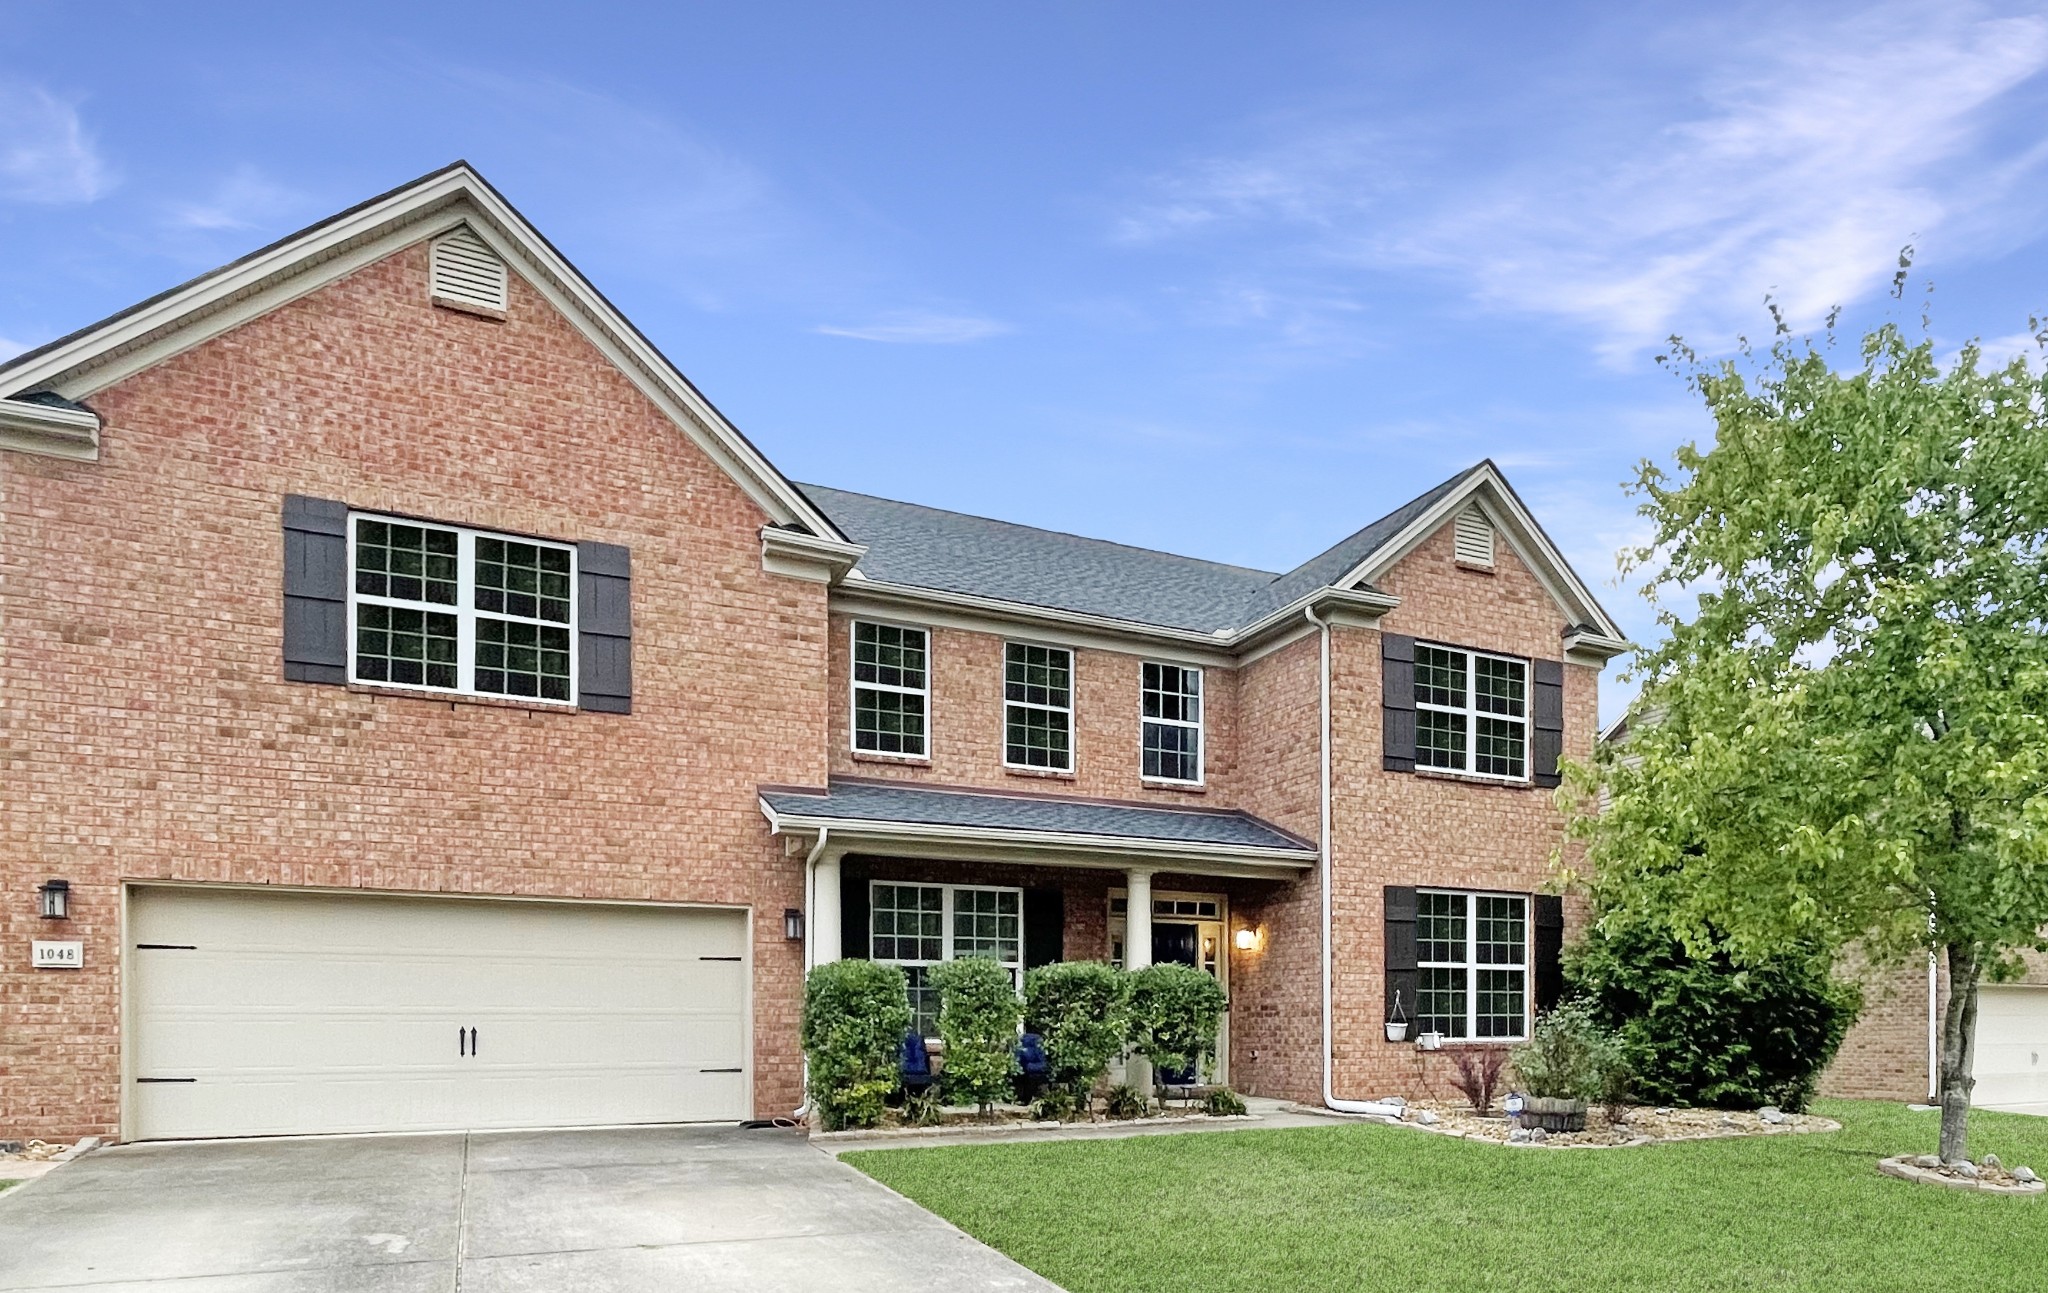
(1228, 280)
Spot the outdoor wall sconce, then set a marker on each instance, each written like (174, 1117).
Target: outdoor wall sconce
(1247, 939)
(54, 899)
(793, 924)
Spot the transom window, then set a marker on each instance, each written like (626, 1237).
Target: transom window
(917, 926)
(891, 689)
(1038, 707)
(1172, 722)
(1472, 958)
(1471, 712)
(444, 608)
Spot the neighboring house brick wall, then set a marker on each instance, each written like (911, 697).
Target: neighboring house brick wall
(148, 733)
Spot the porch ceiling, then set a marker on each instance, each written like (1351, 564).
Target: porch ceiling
(1041, 830)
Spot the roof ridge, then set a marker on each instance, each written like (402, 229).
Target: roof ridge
(1437, 489)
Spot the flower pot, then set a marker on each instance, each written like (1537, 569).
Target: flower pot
(1397, 1032)
(1553, 1114)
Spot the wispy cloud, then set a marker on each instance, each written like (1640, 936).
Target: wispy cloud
(46, 154)
(919, 327)
(1799, 163)
(245, 200)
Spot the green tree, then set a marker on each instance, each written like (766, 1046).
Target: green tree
(979, 1013)
(1849, 735)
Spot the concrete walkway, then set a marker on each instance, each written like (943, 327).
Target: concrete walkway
(593, 1211)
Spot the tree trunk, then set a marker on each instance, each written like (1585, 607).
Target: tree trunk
(1958, 1042)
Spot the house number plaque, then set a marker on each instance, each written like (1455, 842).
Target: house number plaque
(48, 955)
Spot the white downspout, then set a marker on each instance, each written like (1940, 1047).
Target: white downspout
(1328, 876)
(1933, 1031)
(810, 889)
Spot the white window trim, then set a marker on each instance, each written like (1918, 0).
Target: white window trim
(1472, 714)
(854, 686)
(1201, 725)
(1003, 694)
(464, 610)
(946, 910)
(1471, 965)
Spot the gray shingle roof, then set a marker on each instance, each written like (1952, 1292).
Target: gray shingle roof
(929, 547)
(868, 802)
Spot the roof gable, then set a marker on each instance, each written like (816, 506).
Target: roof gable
(75, 366)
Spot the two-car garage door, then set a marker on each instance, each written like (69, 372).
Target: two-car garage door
(259, 1013)
(2011, 1061)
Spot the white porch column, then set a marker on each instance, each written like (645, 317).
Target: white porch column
(821, 922)
(1138, 955)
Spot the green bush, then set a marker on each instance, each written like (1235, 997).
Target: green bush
(1706, 1031)
(1056, 1105)
(1079, 1009)
(1569, 1055)
(978, 1018)
(855, 1016)
(1175, 1013)
(1125, 1101)
(1223, 1103)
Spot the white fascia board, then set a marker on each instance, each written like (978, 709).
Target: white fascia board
(806, 556)
(73, 434)
(211, 305)
(1510, 518)
(1596, 647)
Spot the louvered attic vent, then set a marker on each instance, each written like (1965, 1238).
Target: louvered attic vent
(1474, 538)
(467, 274)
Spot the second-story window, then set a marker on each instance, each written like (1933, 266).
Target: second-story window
(1471, 712)
(1038, 707)
(891, 689)
(445, 608)
(1172, 721)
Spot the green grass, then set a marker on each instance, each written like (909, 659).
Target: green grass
(1363, 1207)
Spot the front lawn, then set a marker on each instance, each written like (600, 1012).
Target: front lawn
(1364, 1207)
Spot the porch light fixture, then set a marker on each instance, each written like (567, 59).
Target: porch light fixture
(1247, 939)
(54, 899)
(793, 924)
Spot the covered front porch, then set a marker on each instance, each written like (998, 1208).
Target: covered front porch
(915, 876)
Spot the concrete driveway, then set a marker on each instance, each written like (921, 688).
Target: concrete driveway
(592, 1211)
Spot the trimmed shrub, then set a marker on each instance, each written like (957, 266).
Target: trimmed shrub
(1707, 1031)
(1223, 1103)
(1569, 1055)
(1079, 1009)
(978, 1018)
(855, 1016)
(1175, 1013)
(1125, 1101)
(1056, 1105)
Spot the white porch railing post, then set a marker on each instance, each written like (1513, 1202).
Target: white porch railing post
(823, 918)
(1138, 955)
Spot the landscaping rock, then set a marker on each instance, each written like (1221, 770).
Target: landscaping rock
(1663, 1111)
(10, 1147)
(1519, 1136)
(1965, 1169)
(1926, 1160)
(1990, 1160)
(1772, 1114)
(1399, 1101)
(1537, 1135)
(2024, 1175)
(1426, 1118)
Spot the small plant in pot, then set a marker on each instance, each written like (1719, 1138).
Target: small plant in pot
(1397, 1021)
(1565, 1064)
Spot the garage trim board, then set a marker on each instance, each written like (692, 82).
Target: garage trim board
(254, 1011)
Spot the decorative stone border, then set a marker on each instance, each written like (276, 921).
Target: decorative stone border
(1906, 1168)
(1812, 1124)
(1002, 1128)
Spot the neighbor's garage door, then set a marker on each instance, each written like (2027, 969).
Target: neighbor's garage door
(267, 1014)
(2012, 1049)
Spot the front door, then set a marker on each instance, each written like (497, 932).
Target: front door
(1179, 944)
(1187, 929)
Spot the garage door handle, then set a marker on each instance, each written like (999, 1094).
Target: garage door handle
(472, 1043)
(461, 1041)
(721, 1070)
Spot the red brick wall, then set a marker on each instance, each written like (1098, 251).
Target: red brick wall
(147, 733)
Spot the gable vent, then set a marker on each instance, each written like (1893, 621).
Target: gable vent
(1474, 538)
(467, 274)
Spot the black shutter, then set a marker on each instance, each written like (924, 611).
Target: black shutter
(1045, 927)
(315, 590)
(1547, 939)
(1397, 701)
(1547, 741)
(1402, 977)
(604, 628)
(853, 915)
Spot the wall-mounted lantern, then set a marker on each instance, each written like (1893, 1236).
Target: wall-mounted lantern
(54, 899)
(793, 924)
(1247, 939)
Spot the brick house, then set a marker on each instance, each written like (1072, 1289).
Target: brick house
(423, 709)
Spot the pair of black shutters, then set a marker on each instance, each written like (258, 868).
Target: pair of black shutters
(1546, 949)
(1397, 707)
(316, 606)
(1045, 919)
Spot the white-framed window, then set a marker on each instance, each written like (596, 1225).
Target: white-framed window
(1471, 712)
(451, 609)
(891, 689)
(1472, 963)
(1170, 721)
(917, 926)
(1038, 707)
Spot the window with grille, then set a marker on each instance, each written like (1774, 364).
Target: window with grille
(891, 689)
(1471, 712)
(918, 926)
(1171, 739)
(1038, 707)
(1472, 959)
(444, 608)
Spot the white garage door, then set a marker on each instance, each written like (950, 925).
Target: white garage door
(269, 1014)
(2011, 1064)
